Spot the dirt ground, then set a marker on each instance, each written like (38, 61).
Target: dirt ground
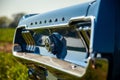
(6, 47)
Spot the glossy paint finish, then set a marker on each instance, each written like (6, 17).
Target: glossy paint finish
(82, 36)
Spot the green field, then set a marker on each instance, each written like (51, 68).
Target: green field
(6, 34)
(10, 68)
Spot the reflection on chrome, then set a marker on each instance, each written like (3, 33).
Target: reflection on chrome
(64, 48)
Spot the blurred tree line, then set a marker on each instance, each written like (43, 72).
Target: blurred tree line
(6, 22)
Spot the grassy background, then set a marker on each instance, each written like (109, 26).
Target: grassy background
(10, 68)
(6, 34)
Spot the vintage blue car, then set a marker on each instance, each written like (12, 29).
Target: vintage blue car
(72, 41)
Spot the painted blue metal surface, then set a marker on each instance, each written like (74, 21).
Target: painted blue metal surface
(104, 33)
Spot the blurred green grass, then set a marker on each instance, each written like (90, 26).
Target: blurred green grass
(6, 34)
(10, 68)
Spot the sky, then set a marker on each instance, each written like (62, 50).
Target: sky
(10, 7)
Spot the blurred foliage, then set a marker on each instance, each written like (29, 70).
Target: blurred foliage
(6, 34)
(11, 69)
(16, 20)
(4, 21)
